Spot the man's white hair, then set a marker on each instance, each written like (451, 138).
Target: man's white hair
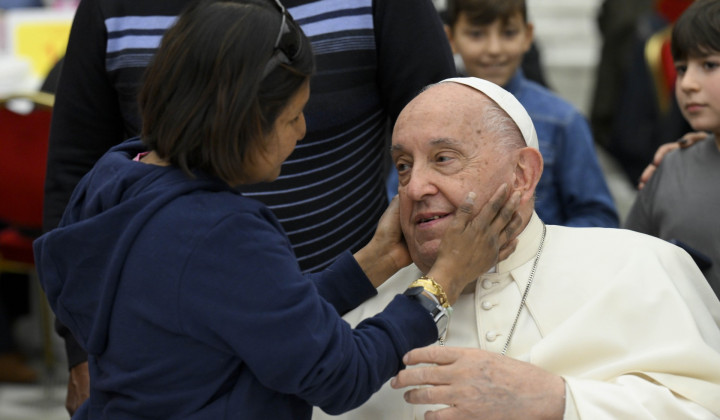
(495, 120)
(507, 103)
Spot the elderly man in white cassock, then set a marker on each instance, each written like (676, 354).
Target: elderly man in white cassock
(577, 323)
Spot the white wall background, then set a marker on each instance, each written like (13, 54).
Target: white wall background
(566, 31)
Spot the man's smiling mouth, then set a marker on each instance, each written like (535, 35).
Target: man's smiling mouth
(430, 219)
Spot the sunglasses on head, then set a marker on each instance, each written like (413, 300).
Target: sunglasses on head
(287, 44)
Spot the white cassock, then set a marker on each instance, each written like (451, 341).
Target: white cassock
(626, 319)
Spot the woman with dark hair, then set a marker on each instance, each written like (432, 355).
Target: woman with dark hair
(186, 294)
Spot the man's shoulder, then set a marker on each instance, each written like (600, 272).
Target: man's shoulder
(609, 258)
(599, 241)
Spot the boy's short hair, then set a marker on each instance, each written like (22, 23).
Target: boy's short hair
(697, 32)
(207, 100)
(484, 12)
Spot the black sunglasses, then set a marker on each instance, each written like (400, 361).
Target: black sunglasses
(287, 44)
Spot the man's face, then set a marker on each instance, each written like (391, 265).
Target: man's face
(441, 154)
(494, 51)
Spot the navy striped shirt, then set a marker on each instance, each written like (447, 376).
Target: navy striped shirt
(372, 57)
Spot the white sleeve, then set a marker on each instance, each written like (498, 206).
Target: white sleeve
(628, 397)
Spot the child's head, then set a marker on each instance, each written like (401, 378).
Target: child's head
(491, 36)
(695, 48)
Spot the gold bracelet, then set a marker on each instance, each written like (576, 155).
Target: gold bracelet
(431, 286)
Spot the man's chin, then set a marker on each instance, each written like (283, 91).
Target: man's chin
(424, 259)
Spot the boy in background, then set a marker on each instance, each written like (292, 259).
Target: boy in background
(491, 36)
(681, 201)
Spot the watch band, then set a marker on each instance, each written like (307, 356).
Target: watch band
(439, 313)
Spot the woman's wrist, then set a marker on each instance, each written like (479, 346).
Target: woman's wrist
(377, 268)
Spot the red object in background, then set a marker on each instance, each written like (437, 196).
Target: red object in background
(672, 9)
(23, 157)
(668, 66)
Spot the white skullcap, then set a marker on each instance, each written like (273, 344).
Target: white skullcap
(507, 102)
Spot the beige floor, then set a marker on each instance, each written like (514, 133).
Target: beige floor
(43, 401)
(46, 399)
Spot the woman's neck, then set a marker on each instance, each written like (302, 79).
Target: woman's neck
(152, 158)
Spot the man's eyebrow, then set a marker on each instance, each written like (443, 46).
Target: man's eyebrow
(445, 141)
(442, 141)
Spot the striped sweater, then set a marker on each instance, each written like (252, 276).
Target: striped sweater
(372, 57)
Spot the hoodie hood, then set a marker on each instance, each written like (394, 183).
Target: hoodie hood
(80, 262)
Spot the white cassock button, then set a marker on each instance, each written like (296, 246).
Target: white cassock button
(487, 284)
(491, 336)
(486, 305)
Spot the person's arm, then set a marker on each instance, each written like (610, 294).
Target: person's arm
(585, 196)
(386, 253)
(685, 141)
(289, 336)
(641, 216)
(412, 50)
(632, 369)
(475, 383)
(86, 118)
(86, 121)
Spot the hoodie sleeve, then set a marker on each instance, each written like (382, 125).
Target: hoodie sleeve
(257, 298)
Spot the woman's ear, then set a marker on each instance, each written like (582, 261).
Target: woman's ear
(528, 169)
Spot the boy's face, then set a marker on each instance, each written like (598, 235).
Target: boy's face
(494, 51)
(697, 89)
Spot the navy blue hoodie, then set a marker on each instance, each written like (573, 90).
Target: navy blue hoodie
(190, 303)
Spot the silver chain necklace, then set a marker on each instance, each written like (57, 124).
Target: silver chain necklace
(525, 293)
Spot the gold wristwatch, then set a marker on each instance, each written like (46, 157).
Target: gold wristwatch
(432, 297)
(432, 287)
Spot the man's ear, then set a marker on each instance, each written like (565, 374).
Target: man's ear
(528, 169)
(449, 34)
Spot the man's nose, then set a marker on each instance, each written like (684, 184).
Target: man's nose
(421, 184)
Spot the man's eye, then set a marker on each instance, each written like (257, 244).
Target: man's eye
(402, 167)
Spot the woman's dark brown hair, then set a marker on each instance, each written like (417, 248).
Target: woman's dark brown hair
(205, 102)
